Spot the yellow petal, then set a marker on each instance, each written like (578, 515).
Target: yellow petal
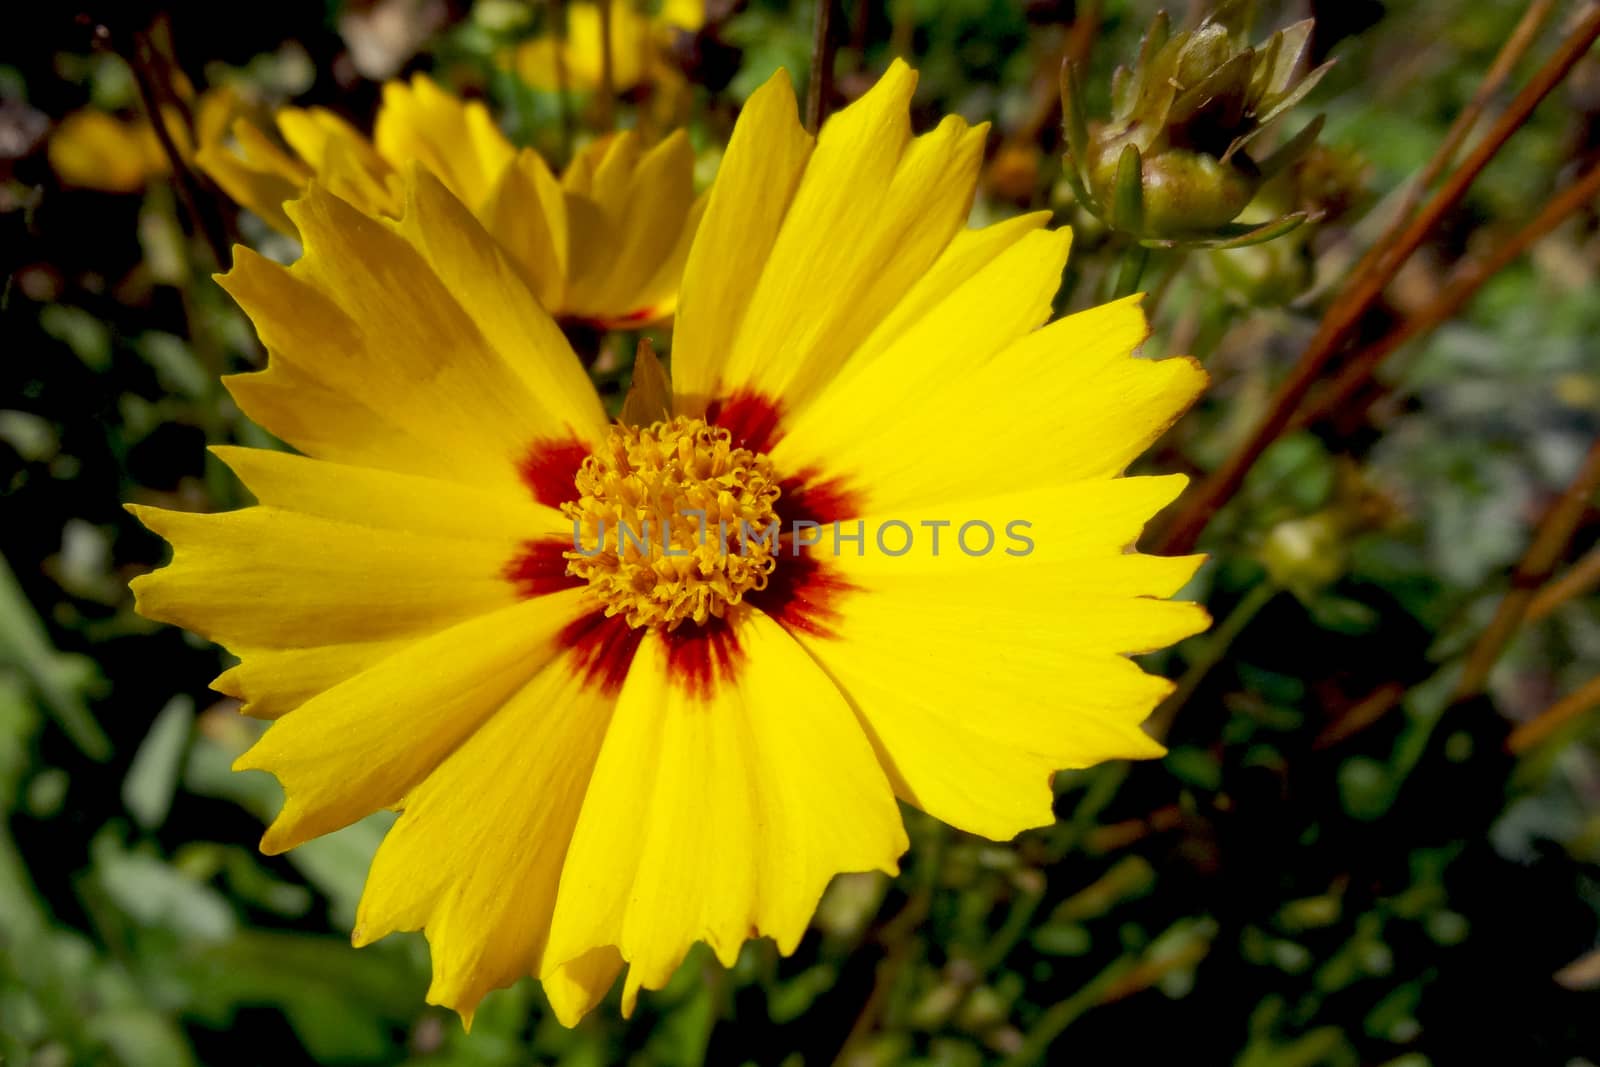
(970, 252)
(367, 742)
(456, 139)
(658, 297)
(1062, 404)
(259, 176)
(647, 206)
(873, 212)
(487, 286)
(272, 682)
(765, 157)
(1007, 298)
(575, 64)
(983, 662)
(338, 153)
(526, 211)
(362, 496)
(715, 812)
(575, 987)
(332, 425)
(475, 858)
(433, 332)
(267, 578)
(976, 686)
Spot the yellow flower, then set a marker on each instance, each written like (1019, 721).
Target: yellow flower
(605, 243)
(601, 757)
(576, 62)
(93, 149)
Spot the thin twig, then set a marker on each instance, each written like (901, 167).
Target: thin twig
(1516, 46)
(820, 87)
(143, 64)
(1553, 718)
(1364, 288)
(1450, 300)
(1362, 714)
(1544, 553)
(1579, 579)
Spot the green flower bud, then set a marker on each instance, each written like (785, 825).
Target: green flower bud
(1189, 110)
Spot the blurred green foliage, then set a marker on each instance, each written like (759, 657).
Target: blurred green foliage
(1333, 865)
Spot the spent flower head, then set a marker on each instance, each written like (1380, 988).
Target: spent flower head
(1174, 164)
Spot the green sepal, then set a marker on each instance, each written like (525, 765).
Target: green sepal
(1127, 193)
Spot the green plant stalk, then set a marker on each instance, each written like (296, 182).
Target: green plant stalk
(1064, 1013)
(1211, 653)
(1130, 270)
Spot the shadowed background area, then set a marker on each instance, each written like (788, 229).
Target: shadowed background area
(1376, 836)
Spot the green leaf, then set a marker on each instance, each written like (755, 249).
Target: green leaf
(153, 775)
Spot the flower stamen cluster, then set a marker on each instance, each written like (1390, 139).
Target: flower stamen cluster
(658, 510)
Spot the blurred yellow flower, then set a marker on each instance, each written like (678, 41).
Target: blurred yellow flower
(93, 149)
(576, 61)
(603, 755)
(603, 244)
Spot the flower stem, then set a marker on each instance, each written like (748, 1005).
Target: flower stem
(1130, 269)
(1549, 543)
(820, 86)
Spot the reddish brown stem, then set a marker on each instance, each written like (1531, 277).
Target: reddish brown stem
(1579, 579)
(1516, 46)
(1554, 717)
(1363, 289)
(146, 76)
(1544, 553)
(1451, 299)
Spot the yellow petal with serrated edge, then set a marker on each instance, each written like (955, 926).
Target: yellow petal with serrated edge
(388, 501)
(971, 718)
(475, 858)
(434, 332)
(367, 742)
(486, 285)
(1063, 403)
(1004, 300)
(271, 682)
(720, 814)
(766, 156)
(457, 140)
(899, 200)
(267, 578)
(259, 175)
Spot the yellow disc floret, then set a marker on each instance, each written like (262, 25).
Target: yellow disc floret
(673, 522)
